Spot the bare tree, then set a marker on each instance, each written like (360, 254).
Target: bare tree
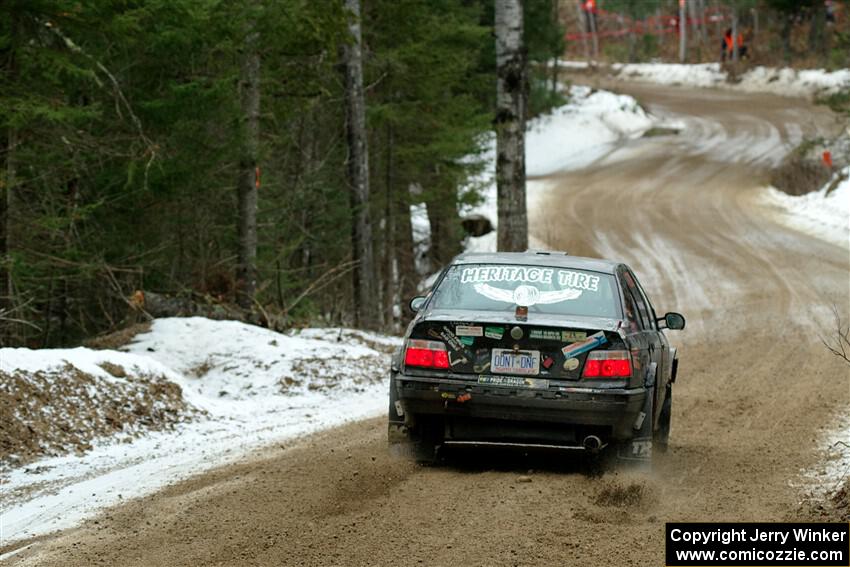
(840, 344)
(702, 22)
(582, 25)
(367, 306)
(511, 100)
(591, 16)
(735, 47)
(248, 179)
(683, 32)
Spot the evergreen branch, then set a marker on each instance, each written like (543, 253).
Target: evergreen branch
(151, 147)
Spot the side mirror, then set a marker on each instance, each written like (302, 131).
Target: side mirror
(416, 303)
(673, 321)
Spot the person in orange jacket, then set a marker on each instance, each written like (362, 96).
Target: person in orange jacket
(727, 46)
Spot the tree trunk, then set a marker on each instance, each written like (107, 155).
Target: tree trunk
(816, 34)
(511, 97)
(6, 210)
(786, 36)
(683, 32)
(693, 11)
(755, 13)
(659, 21)
(405, 253)
(591, 16)
(443, 221)
(735, 46)
(249, 95)
(367, 311)
(390, 262)
(629, 30)
(7, 198)
(582, 23)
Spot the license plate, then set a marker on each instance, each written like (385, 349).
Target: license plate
(506, 361)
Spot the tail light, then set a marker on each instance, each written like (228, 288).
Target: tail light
(608, 364)
(426, 354)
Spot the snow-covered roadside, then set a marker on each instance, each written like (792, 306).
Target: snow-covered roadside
(779, 81)
(834, 469)
(825, 216)
(258, 387)
(572, 136)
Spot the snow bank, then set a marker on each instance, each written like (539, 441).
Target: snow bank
(791, 82)
(578, 133)
(780, 81)
(825, 216)
(701, 75)
(256, 387)
(58, 401)
(572, 136)
(228, 366)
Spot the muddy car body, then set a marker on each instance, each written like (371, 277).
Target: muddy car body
(534, 349)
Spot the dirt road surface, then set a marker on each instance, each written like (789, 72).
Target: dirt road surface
(755, 390)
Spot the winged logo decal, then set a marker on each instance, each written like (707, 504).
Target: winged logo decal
(526, 295)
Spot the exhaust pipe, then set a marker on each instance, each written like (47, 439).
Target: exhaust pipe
(592, 443)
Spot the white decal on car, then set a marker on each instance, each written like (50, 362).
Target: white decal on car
(526, 295)
(469, 331)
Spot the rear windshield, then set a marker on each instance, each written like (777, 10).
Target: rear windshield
(501, 287)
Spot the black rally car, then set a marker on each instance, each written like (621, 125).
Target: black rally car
(534, 349)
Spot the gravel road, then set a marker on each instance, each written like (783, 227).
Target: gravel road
(756, 388)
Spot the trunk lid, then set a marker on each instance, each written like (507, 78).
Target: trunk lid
(501, 346)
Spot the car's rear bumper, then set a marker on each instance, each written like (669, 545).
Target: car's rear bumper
(614, 412)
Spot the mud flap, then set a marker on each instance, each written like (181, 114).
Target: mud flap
(397, 431)
(638, 449)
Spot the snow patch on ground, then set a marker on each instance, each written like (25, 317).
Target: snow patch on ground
(258, 387)
(828, 476)
(825, 216)
(572, 136)
(700, 75)
(578, 133)
(781, 81)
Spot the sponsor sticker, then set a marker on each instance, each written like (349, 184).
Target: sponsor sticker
(545, 335)
(455, 361)
(514, 382)
(570, 364)
(468, 341)
(590, 343)
(548, 362)
(567, 284)
(469, 331)
(482, 360)
(494, 332)
(573, 336)
(528, 274)
(449, 338)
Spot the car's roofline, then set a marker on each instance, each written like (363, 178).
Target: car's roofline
(553, 259)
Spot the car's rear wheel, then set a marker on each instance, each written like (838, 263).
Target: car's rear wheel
(662, 435)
